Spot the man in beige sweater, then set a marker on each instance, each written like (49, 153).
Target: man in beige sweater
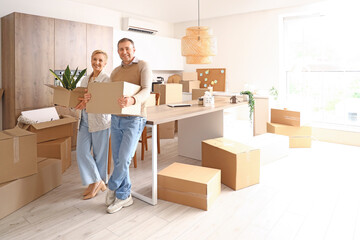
(126, 130)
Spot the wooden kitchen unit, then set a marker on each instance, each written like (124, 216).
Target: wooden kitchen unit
(31, 45)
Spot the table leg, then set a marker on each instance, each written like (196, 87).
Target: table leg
(153, 199)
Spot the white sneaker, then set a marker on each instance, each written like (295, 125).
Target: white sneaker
(118, 204)
(110, 197)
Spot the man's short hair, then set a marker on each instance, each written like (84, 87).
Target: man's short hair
(126, 40)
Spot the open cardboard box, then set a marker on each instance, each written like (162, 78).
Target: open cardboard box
(104, 98)
(65, 97)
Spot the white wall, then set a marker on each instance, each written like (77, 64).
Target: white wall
(248, 47)
(68, 10)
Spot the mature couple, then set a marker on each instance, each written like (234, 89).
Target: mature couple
(94, 129)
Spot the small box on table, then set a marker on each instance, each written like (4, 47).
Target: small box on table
(189, 185)
(239, 164)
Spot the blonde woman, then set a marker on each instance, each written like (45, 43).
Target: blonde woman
(94, 132)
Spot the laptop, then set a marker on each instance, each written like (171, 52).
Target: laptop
(180, 105)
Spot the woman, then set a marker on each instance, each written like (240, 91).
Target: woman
(94, 132)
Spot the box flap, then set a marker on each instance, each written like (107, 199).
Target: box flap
(4, 136)
(62, 121)
(17, 132)
(189, 172)
(57, 87)
(229, 145)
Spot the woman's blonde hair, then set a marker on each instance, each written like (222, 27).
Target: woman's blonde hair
(100, 52)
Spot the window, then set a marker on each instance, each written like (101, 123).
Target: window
(322, 67)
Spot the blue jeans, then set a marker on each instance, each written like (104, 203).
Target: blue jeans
(93, 168)
(125, 134)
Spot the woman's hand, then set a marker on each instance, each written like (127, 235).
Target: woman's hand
(126, 101)
(81, 105)
(87, 96)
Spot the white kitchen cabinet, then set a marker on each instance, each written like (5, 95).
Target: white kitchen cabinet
(162, 53)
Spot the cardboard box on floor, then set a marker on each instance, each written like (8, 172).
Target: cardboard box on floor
(24, 190)
(199, 92)
(65, 97)
(17, 154)
(188, 86)
(239, 164)
(59, 149)
(47, 131)
(299, 137)
(62, 111)
(104, 98)
(189, 76)
(189, 185)
(286, 117)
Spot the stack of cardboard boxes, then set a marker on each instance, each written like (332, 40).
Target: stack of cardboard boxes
(288, 123)
(190, 81)
(23, 176)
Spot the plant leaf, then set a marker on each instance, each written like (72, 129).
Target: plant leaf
(57, 76)
(79, 77)
(66, 77)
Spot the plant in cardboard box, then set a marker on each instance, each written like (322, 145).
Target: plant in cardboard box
(251, 101)
(67, 80)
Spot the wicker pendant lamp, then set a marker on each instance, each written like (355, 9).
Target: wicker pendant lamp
(198, 46)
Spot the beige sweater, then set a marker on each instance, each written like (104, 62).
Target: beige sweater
(138, 72)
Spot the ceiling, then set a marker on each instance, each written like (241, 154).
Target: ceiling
(187, 10)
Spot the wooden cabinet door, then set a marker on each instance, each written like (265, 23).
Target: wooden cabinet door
(99, 38)
(70, 45)
(27, 55)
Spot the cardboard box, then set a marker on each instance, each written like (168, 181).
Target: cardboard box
(282, 116)
(239, 164)
(169, 93)
(300, 142)
(167, 130)
(174, 79)
(189, 185)
(17, 154)
(62, 111)
(65, 97)
(189, 76)
(289, 130)
(104, 98)
(196, 93)
(24, 190)
(188, 86)
(59, 149)
(47, 131)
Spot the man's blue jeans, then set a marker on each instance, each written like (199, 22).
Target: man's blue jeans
(125, 135)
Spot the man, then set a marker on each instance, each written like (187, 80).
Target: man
(126, 130)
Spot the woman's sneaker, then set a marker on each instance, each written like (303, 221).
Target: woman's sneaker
(118, 204)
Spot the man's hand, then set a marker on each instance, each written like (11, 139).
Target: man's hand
(126, 101)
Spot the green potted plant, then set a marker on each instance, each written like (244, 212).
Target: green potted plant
(274, 93)
(251, 102)
(67, 80)
(68, 94)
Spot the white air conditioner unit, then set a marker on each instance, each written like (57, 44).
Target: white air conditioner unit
(137, 25)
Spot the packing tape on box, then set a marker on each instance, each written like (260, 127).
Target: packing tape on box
(16, 146)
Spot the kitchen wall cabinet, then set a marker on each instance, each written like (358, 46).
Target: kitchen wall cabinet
(30, 46)
(160, 52)
(96, 37)
(27, 52)
(70, 47)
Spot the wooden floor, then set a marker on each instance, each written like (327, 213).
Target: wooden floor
(311, 194)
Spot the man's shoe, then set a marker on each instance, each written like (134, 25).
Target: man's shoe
(119, 204)
(110, 197)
